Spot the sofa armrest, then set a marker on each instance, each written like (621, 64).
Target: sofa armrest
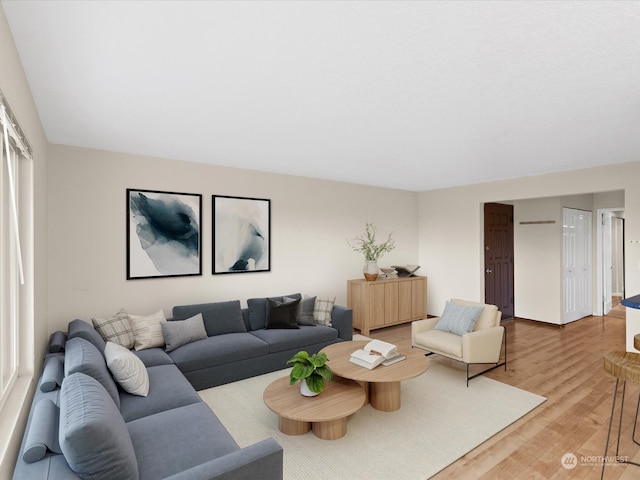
(262, 460)
(420, 326)
(342, 320)
(483, 346)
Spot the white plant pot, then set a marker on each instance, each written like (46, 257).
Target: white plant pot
(304, 389)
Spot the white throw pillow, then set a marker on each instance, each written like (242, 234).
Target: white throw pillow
(147, 330)
(127, 369)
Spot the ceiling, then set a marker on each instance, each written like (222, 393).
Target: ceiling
(409, 95)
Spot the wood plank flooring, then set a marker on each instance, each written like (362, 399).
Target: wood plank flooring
(565, 365)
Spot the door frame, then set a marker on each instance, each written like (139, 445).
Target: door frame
(598, 311)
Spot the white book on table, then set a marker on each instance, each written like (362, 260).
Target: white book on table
(363, 359)
(373, 354)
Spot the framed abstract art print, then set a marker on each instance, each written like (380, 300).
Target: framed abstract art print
(241, 234)
(163, 234)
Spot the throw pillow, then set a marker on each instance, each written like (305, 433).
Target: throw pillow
(282, 314)
(116, 329)
(458, 319)
(127, 369)
(322, 310)
(258, 310)
(93, 435)
(147, 331)
(305, 310)
(180, 332)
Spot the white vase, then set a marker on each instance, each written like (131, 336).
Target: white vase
(304, 389)
(371, 270)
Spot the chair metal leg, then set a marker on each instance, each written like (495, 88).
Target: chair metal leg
(624, 391)
(505, 349)
(606, 446)
(635, 423)
(613, 408)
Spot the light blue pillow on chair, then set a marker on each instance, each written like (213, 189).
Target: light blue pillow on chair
(458, 319)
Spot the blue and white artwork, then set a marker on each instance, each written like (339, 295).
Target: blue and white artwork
(163, 230)
(242, 234)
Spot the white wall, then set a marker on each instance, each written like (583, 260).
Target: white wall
(450, 221)
(538, 259)
(538, 255)
(310, 223)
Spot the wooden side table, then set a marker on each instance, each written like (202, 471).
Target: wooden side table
(326, 414)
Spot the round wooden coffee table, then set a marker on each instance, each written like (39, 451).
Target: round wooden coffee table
(382, 383)
(326, 414)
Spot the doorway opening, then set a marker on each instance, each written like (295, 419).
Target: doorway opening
(610, 259)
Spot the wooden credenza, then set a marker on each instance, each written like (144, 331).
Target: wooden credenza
(386, 302)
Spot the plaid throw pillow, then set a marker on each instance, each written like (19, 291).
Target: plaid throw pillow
(322, 310)
(116, 329)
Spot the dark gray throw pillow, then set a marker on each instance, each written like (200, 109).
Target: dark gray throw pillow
(281, 314)
(305, 310)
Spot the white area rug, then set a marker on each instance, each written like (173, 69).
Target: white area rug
(440, 421)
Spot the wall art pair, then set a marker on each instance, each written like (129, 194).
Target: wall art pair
(164, 234)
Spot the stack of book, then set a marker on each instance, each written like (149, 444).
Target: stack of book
(375, 353)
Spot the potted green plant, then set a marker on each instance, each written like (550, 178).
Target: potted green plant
(372, 251)
(311, 370)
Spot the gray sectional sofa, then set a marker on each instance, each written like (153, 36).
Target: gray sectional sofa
(83, 424)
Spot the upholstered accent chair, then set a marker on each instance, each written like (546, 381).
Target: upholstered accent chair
(468, 332)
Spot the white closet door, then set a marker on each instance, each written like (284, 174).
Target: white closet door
(576, 243)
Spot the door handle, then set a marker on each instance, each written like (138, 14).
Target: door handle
(488, 270)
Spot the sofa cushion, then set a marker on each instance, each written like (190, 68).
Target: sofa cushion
(282, 314)
(219, 317)
(258, 309)
(82, 356)
(147, 331)
(218, 350)
(458, 319)
(181, 332)
(181, 438)
(445, 342)
(322, 310)
(281, 340)
(153, 356)
(168, 388)
(93, 436)
(116, 329)
(127, 369)
(80, 328)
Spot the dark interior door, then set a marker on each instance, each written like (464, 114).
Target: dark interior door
(498, 257)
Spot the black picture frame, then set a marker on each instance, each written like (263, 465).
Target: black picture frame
(164, 234)
(241, 234)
